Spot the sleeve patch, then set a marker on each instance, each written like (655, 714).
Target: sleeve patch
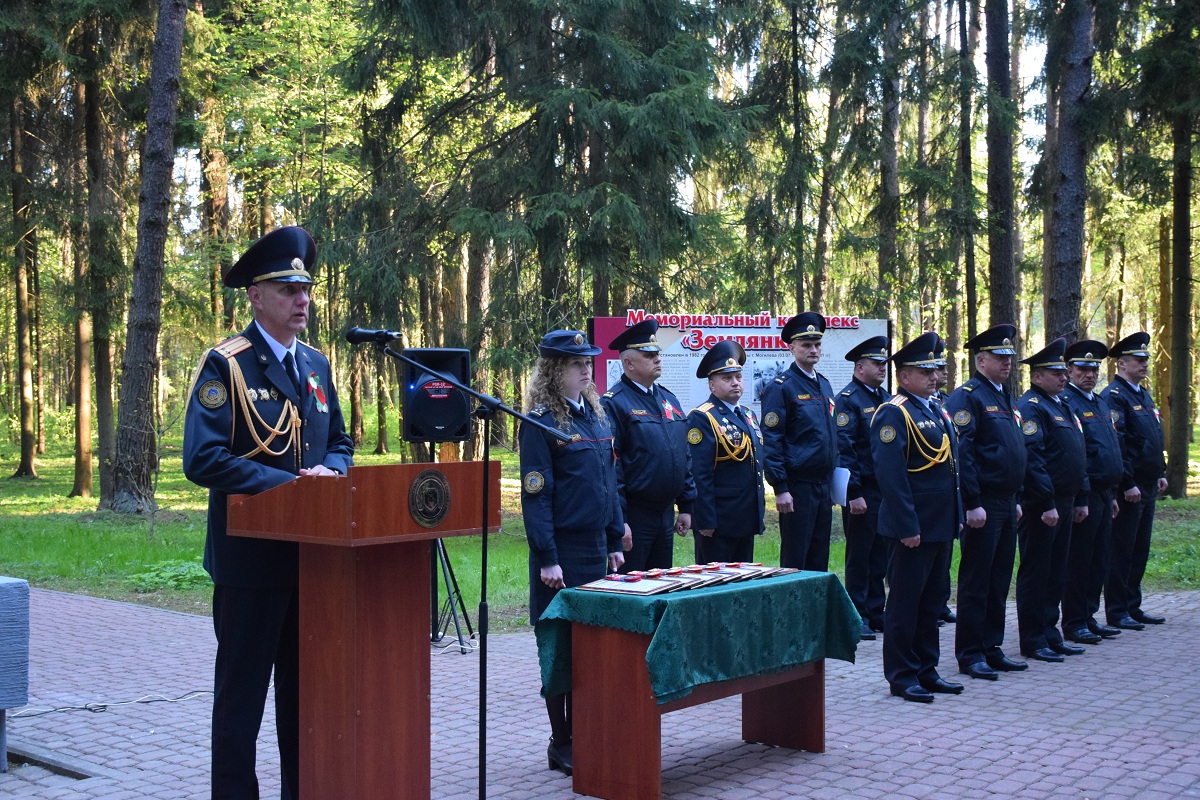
(213, 394)
(694, 436)
(843, 419)
(771, 419)
(1029, 428)
(887, 434)
(962, 418)
(534, 482)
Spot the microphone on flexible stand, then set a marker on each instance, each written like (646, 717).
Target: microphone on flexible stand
(365, 336)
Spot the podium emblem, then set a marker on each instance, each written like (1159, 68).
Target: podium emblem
(429, 498)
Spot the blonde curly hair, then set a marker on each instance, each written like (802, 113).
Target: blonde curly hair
(545, 388)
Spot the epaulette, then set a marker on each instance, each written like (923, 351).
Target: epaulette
(231, 347)
(966, 387)
(1114, 390)
(898, 400)
(704, 407)
(846, 393)
(608, 394)
(1035, 400)
(540, 408)
(781, 379)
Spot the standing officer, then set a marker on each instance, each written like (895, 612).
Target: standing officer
(1142, 481)
(1087, 561)
(650, 439)
(1055, 474)
(939, 397)
(262, 410)
(991, 470)
(727, 462)
(801, 447)
(866, 553)
(920, 514)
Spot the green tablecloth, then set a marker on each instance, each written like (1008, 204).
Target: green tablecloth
(712, 634)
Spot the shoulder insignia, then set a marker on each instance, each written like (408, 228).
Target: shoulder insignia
(1114, 390)
(1029, 428)
(1035, 400)
(231, 347)
(846, 393)
(607, 394)
(887, 434)
(843, 419)
(694, 436)
(780, 379)
(962, 418)
(771, 419)
(540, 408)
(533, 483)
(213, 394)
(897, 400)
(704, 407)
(966, 387)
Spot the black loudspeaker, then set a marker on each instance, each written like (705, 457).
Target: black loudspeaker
(435, 411)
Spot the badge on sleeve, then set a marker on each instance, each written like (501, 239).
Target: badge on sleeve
(962, 418)
(843, 419)
(1029, 428)
(694, 436)
(534, 482)
(887, 434)
(213, 394)
(771, 419)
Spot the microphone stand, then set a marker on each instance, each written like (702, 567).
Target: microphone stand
(488, 406)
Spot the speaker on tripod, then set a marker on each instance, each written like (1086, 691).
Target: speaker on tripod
(435, 411)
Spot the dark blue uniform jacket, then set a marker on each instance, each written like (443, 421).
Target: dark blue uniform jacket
(1056, 455)
(798, 429)
(1140, 430)
(991, 447)
(650, 438)
(914, 449)
(240, 393)
(727, 464)
(853, 408)
(1104, 464)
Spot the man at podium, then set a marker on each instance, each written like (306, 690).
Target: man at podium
(262, 409)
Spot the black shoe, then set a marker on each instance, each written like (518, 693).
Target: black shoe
(939, 686)
(865, 633)
(1043, 654)
(980, 670)
(913, 694)
(1128, 623)
(1103, 631)
(559, 757)
(948, 616)
(1146, 619)
(877, 625)
(1002, 663)
(1084, 636)
(1064, 649)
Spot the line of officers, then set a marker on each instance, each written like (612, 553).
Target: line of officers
(1067, 474)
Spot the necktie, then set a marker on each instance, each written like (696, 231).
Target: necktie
(289, 366)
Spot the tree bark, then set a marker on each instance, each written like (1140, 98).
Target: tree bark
(81, 386)
(889, 172)
(964, 189)
(23, 234)
(1180, 397)
(137, 456)
(1000, 125)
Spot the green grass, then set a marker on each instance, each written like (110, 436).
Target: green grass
(64, 543)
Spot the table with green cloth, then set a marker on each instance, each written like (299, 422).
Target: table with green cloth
(711, 634)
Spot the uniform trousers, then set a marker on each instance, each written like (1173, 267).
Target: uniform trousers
(985, 568)
(1042, 575)
(804, 533)
(723, 548)
(866, 559)
(1087, 562)
(1129, 554)
(257, 629)
(653, 543)
(917, 581)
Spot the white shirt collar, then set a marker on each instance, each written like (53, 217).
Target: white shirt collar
(577, 406)
(1088, 395)
(810, 375)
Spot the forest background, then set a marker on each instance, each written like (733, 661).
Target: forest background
(477, 172)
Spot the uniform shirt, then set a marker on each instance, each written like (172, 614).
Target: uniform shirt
(650, 438)
(1056, 455)
(240, 395)
(799, 432)
(990, 445)
(914, 450)
(568, 485)
(727, 465)
(1140, 432)
(1104, 465)
(853, 408)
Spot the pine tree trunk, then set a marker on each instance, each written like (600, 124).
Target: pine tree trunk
(964, 190)
(23, 233)
(1181, 306)
(81, 386)
(137, 449)
(889, 173)
(1000, 126)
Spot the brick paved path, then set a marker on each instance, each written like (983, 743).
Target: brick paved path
(1122, 721)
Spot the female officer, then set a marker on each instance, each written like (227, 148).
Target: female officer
(568, 494)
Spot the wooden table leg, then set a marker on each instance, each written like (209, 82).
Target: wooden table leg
(617, 730)
(789, 714)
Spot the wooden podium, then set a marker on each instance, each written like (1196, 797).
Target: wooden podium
(364, 613)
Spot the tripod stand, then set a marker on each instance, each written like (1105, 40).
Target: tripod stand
(453, 605)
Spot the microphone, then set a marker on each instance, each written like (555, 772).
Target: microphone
(364, 336)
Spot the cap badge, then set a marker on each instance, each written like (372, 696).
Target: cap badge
(297, 264)
(1007, 342)
(731, 362)
(653, 338)
(812, 328)
(578, 338)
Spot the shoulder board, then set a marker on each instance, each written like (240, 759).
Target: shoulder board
(1037, 401)
(540, 408)
(231, 347)
(897, 400)
(1113, 389)
(847, 393)
(781, 379)
(704, 407)
(967, 388)
(608, 394)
